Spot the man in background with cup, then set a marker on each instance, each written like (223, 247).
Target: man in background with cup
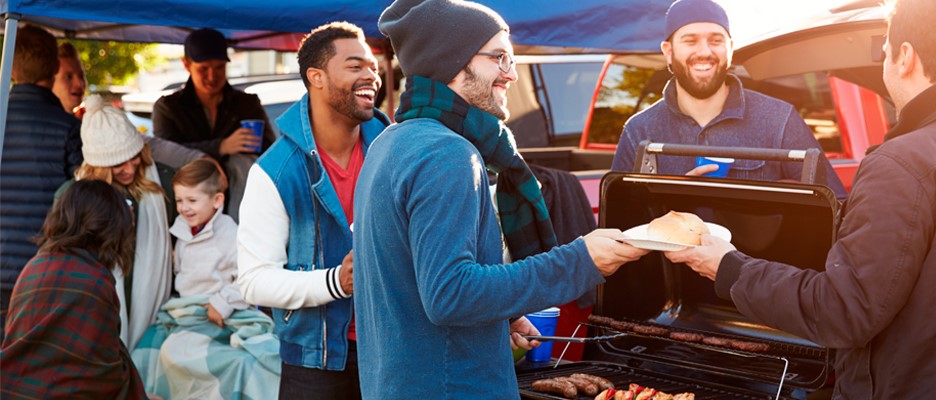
(434, 298)
(209, 115)
(294, 238)
(704, 104)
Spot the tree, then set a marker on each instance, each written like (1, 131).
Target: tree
(115, 63)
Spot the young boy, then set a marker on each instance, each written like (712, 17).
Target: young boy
(207, 343)
(205, 261)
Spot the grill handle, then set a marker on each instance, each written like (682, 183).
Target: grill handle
(646, 160)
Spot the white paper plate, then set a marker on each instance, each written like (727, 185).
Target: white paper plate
(637, 237)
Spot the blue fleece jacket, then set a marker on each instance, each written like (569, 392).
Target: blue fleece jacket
(432, 295)
(748, 119)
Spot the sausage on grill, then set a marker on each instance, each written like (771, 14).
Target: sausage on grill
(602, 383)
(686, 336)
(753, 347)
(563, 388)
(582, 385)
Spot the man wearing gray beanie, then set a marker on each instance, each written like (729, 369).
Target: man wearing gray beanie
(437, 306)
(704, 104)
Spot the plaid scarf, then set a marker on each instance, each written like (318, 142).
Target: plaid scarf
(523, 215)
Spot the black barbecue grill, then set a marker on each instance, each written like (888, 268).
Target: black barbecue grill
(792, 223)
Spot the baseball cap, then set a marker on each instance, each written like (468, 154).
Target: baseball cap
(206, 44)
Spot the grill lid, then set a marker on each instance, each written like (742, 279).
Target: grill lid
(788, 222)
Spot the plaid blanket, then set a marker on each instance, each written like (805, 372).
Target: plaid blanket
(184, 356)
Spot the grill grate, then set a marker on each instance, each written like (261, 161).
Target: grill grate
(622, 375)
(805, 362)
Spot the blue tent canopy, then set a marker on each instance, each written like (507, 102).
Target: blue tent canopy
(538, 26)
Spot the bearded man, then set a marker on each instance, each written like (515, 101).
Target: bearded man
(704, 104)
(435, 300)
(294, 238)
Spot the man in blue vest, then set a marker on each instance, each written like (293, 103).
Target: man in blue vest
(294, 239)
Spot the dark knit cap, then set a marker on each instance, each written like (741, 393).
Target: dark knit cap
(437, 38)
(685, 12)
(206, 44)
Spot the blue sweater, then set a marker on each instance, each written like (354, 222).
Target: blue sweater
(432, 295)
(748, 119)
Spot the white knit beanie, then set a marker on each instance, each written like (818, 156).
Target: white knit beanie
(108, 138)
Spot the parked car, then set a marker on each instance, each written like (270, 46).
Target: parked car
(828, 68)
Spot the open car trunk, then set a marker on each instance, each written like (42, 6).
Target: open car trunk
(792, 223)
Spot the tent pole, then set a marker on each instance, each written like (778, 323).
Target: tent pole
(6, 69)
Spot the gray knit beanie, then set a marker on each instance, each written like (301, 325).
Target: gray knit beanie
(437, 38)
(108, 138)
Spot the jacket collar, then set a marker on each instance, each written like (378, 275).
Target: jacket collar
(296, 126)
(734, 104)
(918, 113)
(44, 93)
(181, 230)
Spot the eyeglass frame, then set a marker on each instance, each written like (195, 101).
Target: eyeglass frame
(500, 57)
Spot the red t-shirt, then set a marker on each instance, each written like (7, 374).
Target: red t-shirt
(344, 180)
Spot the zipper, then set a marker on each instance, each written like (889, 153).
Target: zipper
(319, 253)
(289, 313)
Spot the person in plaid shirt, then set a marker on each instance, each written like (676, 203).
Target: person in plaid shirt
(62, 336)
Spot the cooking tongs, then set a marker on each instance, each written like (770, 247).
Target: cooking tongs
(594, 339)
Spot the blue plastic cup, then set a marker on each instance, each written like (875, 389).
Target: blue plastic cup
(545, 322)
(256, 126)
(724, 165)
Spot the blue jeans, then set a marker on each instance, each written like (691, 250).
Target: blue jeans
(312, 383)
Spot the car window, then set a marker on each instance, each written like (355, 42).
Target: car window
(625, 91)
(566, 92)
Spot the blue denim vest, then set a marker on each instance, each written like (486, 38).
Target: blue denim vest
(319, 238)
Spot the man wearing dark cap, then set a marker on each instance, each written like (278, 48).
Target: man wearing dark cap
(433, 296)
(873, 301)
(704, 104)
(206, 113)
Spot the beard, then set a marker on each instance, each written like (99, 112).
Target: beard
(345, 102)
(700, 89)
(479, 92)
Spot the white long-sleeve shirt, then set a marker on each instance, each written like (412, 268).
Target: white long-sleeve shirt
(262, 240)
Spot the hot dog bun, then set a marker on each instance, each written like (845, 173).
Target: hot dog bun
(677, 227)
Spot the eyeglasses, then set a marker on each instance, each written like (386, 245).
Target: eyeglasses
(504, 61)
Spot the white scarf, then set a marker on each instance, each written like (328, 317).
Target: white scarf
(152, 267)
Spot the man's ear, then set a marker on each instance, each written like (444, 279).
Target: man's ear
(187, 63)
(906, 59)
(667, 48)
(316, 77)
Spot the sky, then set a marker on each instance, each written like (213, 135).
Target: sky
(753, 17)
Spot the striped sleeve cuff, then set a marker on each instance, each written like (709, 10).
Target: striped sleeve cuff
(334, 284)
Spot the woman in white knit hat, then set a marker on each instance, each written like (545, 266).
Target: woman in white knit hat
(115, 152)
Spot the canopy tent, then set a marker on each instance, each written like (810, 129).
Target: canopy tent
(592, 26)
(537, 27)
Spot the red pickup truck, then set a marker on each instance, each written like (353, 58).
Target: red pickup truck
(829, 69)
